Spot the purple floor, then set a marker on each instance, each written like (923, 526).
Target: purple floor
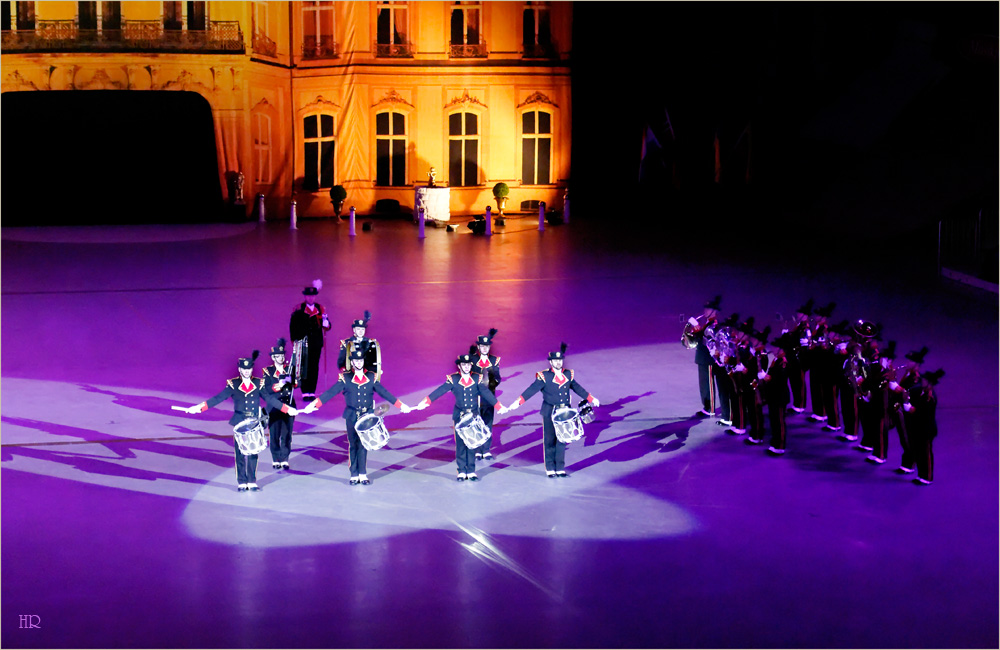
(122, 526)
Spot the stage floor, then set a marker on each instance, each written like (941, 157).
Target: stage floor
(122, 526)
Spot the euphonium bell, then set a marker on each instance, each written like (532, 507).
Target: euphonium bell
(865, 329)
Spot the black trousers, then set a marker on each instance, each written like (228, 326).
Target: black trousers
(908, 459)
(873, 425)
(246, 466)
(725, 385)
(553, 450)
(464, 457)
(776, 415)
(797, 382)
(849, 411)
(280, 430)
(357, 453)
(307, 384)
(705, 379)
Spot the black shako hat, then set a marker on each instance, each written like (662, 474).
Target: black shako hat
(247, 362)
(363, 322)
(487, 339)
(558, 354)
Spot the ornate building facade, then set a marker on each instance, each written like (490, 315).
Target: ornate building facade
(308, 95)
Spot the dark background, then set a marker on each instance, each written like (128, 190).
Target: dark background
(859, 100)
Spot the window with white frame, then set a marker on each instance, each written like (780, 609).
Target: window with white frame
(390, 148)
(537, 35)
(318, 29)
(262, 147)
(536, 147)
(392, 23)
(260, 16)
(319, 151)
(465, 23)
(463, 149)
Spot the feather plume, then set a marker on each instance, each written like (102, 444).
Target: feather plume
(368, 316)
(562, 348)
(318, 284)
(493, 332)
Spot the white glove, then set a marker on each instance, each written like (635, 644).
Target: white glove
(761, 375)
(514, 406)
(908, 407)
(310, 408)
(293, 411)
(803, 342)
(404, 408)
(893, 385)
(596, 402)
(740, 368)
(193, 410)
(693, 322)
(841, 347)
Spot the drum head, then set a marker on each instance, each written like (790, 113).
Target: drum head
(369, 421)
(246, 426)
(467, 420)
(564, 415)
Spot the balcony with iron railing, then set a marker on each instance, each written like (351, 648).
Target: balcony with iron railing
(540, 51)
(264, 45)
(394, 50)
(319, 47)
(133, 36)
(467, 50)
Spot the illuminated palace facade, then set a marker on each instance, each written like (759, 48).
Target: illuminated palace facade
(307, 95)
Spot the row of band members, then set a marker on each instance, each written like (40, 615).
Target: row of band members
(851, 377)
(359, 364)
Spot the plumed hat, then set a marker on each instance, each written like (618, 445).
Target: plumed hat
(487, 339)
(559, 354)
(247, 362)
(363, 322)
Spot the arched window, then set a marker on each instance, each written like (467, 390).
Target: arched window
(536, 147)
(320, 151)
(262, 147)
(390, 148)
(463, 149)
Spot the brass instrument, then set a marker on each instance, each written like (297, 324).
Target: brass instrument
(864, 330)
(688, 338)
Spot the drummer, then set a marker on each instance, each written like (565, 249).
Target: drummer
(555, 384)
(488, 365)
(246, 392)
(467, 389)
(359, 388)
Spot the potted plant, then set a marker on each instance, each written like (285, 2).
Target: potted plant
(338, 195)
(500, 192)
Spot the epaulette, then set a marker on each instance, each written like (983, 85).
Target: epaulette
(450, 379)
(496, 361)
(343, 343)
(540, 375)
(229, 382)
(261, 386)
(572, 374)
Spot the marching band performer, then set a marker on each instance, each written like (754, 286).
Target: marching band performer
(370, 347)
(554, 384)
(694, 332)
(722, 363)
(801, 333)
(774, 383)
(873, 406)
(246, 391)
(920, 412)
(756, 361)
(738, 369)
(468, 388)
(898, 394)
(309, 321)
(489, 365)
(278, 381)
(819, 379)
(850, 377)
(359, 388)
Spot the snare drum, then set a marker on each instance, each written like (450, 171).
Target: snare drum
(472, 430)
(250, 436)
(567, 424)
(372, 432)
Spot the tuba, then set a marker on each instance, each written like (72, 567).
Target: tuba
(864, 330)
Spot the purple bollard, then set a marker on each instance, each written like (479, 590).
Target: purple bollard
(541, 215)
(489, 221)
(352, 232)
(293, 216)
(566, 207)
(420, 224)
(260, 208)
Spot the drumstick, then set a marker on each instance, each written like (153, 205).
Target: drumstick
(179, 408)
